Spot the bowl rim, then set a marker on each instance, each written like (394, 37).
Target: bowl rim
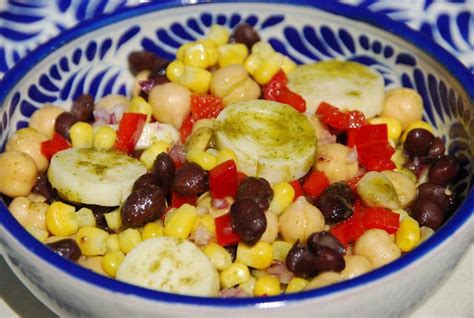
(457, 220)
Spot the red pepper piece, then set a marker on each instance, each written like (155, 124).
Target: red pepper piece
(353, 182)
(240, 177)
(178, 200)
(278, 91)
(376, 157)
(334, 117)
(186, 128)
(225, 235)
(367, 135)
(350, 230)
(50, 147)
(296, 184)
(205, 106)
(379, 218)
(315, 183)
(223, 180)
(129, 131)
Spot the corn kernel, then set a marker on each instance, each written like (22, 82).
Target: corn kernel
(149, 155)
(85, 217)
(175, 70)
(268, 68)
(181, 51)
(219, 257)
(296, 285)
(258, 256)
(111, 262)
(267, 285)
(211, 51)
(262, 49)
(91, 240)
(233, 53)
(225, 155)
(394, 127)
(280, 250)
(202, 158)
(139, 105)
(181, 223)
(39, 234)
(195, 55)
(82, 135)
(283, 194)
(128, 239)
(288, 65)
(425, 233)
(152, 229)
(415, 125)
(218, 34)
(113, 220)
(61, 219)
(104, 138)
(196, 79)
(249, 285)
(252, 63)
(208, 222)
(112, 243)
(408, 234)
(237, 273)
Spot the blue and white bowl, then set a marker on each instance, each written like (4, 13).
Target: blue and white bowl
(92, 58)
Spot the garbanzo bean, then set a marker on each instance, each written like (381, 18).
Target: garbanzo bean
(43, 119)
(334, 161)
(356, 265)
(28, 140)
(403, 104)
(111, 102)
(377, 246)
(171, 103)
(18, 173)
(271, 231)
(323, 279)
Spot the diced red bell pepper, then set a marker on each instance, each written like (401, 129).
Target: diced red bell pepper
(349, 230)
(50, 147)
(368, 134)
(129, 131)
(376, 157)
(277, 90)
(178, 200)
(240, 177)
(225, 235)
(205, 106)
(332, 116)
(315, 183)
(353, 182)
(379, 218)
(296, 184)
(186, 128)
(223, 180)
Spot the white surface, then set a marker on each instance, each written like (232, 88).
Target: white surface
(453, 298)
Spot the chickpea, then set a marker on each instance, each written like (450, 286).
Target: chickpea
(332, 159)
(29, 213)
(299, 220)
(18, 173)
(142, 76)
(377, 246)
(323, 279)
(171, 103)
(28, 140)
(93, 263)
(356, 265)
(271, 232)
(404, 187)
(403, 104)
(111, 102)
(43, 119)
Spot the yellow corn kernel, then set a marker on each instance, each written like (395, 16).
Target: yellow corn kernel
(408, 234)
(112, 243)
(196, 79)
(139, 105)
(252, 63)
(113, 220)
(85, 217)
(403, 214)
(128, 239)
(258, 256)
(425, 233)
(149, 155)
(415, 125)
(280, 250)
(268, 68)
(61, 219)
(296, 285)
(211, 50)
(236, 274)
(152, 229)
(208, 222)
(262, 49)
(288, 65)
(283, 194)
(202, 158)
(249, 285)
(91, 240)
(39, 234)
(219, 257)
(218, 34)
(175, 70)
(104, 138)
(232, 53)
(181, 50)
(194, 54)
(82, 135)
(225, 155)
(394, 127)
(181, 223)
(111, 262)
(267, 285)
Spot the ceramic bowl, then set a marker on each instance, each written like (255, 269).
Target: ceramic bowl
(93, 58)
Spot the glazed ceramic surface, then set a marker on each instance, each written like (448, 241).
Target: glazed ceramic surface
(93, 59)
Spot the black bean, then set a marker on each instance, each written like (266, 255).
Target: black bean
(143, 60)
(437, 148)
(146, 180)
(44, 188)
(427, 213)
(64, 123)
(258, 190)
(444, 170)
(301, 261)
(66, 248)
(158, 73)
(418, 142)
(435, 193)
(83, 108)
(328, 259)
(246, 34)
(190, 180)
(342, 189)
(248, 220)
(326, 239)
(164, 166)
(336, 202)
(142, 206)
